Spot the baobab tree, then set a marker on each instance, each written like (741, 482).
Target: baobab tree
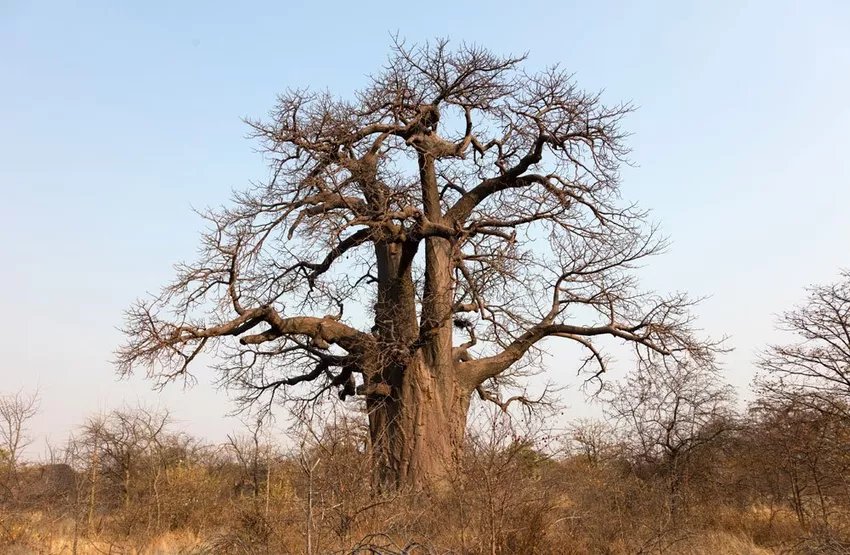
(413, 244)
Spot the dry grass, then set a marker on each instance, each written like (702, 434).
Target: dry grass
(507, 498)
(715, 543)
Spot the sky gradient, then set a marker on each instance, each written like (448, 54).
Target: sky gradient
(116, 118)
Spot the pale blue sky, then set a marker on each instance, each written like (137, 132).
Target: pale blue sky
(115, 117)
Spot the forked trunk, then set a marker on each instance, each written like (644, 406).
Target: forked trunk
(417, 406)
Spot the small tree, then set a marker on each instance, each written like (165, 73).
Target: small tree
(592, 440)
(818, 363)
(797, 446)
(123, 447)
(16, 410)
(414, 243)
(252, 452)
(669, 412)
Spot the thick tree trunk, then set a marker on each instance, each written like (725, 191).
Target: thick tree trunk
(417, 431)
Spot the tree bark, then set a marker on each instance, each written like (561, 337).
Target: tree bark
(417, 431)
